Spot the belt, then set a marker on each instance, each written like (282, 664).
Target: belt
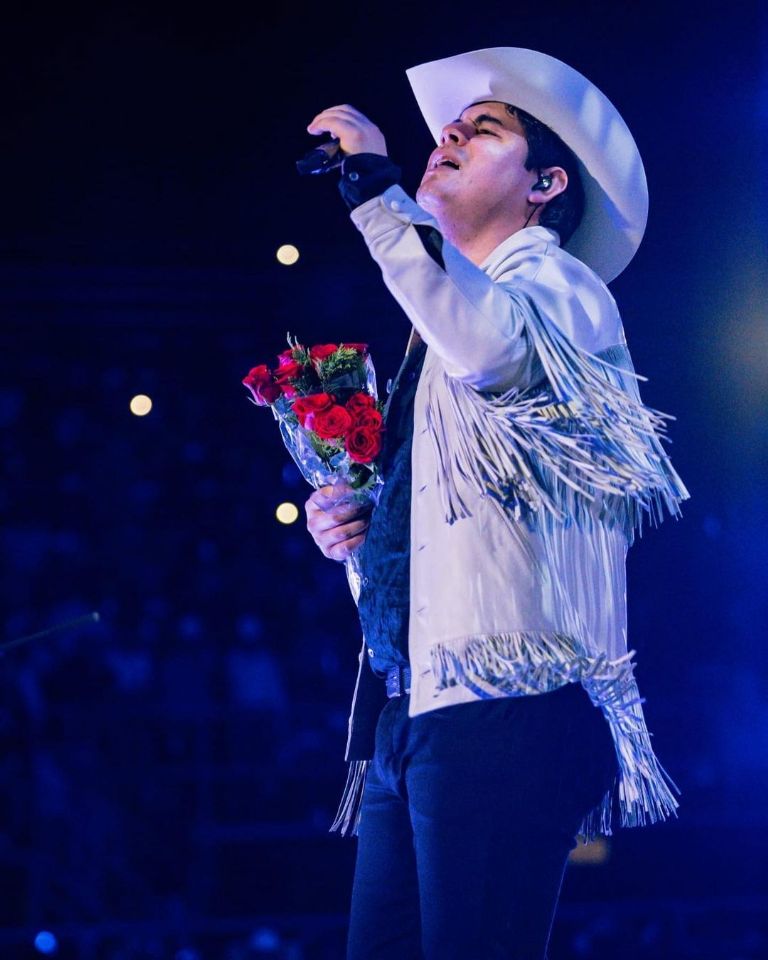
(398, 681)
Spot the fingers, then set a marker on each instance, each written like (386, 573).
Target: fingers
(337, 527)
(355, 132)
(320, 522)
(345, 549)
(344, 113)
(339, 541)
(342, 534)
(338, 503)
(328, 496)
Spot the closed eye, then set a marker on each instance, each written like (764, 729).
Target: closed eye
(486, 120)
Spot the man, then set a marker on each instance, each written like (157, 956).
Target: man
(518, 464)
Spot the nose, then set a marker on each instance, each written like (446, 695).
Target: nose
(457, 132)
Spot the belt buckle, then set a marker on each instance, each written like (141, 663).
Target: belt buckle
(398, 681)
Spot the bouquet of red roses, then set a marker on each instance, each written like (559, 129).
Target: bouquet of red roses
(324, 400)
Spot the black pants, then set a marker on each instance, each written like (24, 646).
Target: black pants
(468, 816)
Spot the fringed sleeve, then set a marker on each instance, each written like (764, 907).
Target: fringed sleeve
(581, 436)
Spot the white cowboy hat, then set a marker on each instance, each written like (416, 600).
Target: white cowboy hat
(615, 188)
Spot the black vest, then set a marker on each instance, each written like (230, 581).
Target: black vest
(385, 558)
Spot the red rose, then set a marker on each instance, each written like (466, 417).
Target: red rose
(314, 403)
(359, 347)
(262, 385)
(367, 417)
(360, 401)
(363, 444)
(329, 424)
(288, 370)
(323, 350)
(285, 357)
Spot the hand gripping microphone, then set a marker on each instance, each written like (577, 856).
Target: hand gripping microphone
(328, 156)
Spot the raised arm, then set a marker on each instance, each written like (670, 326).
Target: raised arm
(473, 317)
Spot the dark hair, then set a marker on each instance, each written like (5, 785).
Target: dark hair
(545, 149)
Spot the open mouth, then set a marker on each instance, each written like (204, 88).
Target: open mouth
(443, 161)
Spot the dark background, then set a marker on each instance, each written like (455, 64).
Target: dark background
(167, 776)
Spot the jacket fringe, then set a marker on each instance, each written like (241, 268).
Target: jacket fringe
(347, 819)
(519, 664)
(548, 453)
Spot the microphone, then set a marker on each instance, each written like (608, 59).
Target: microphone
(328, 156)
(77, 622)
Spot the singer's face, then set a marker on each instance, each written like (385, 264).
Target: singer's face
(477, 175)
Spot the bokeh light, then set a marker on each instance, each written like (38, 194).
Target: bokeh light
(287, 254)
(46, 943)
(287, 513)
(140, 405)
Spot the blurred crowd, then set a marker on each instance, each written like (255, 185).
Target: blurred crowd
(210, 700)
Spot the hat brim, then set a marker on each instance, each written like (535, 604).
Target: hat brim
(615, 186)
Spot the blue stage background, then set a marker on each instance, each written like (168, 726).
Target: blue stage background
(168, 775)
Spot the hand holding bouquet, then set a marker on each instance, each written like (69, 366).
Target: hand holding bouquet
(324, 399)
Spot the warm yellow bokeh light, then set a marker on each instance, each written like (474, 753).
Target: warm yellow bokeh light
(287, 513)
(594, 853)
(140, 405)
(287, 254)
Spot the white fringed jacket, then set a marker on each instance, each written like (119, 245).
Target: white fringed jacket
(534, 462)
